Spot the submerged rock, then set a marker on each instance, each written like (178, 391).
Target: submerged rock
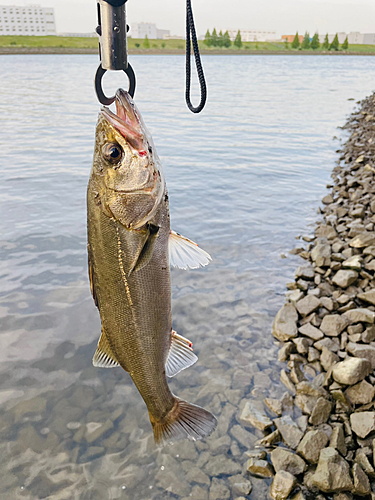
(282, 485)
(285, 324)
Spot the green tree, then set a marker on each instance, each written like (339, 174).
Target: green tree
(345, 45)
(214, 38)
(220, 39)
(146, 43)
(238, 40)
(315, 44)
(208, 39)
(295, 43)
(325, 45)
(227, 42)
(335, 43)
(306, 41)
(286, 43)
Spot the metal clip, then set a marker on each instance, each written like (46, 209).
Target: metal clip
(113, 50)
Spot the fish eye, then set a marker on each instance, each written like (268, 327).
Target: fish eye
(112, 152)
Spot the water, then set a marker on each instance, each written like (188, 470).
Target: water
(245, 178)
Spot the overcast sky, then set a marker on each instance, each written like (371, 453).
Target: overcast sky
(282, 16)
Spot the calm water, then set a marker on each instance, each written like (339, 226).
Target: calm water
(245, 178)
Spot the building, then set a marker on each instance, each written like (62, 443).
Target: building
(253, 35)
(28, 20)
(141, 30)
(290, 38)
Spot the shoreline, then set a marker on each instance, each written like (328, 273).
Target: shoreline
(68, 50)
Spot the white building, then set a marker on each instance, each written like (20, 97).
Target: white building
(253, 35)
(27, 20)
(141, 30)
(354, 38)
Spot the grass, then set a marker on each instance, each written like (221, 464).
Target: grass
(156, 45)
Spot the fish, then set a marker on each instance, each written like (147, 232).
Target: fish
(130, 250)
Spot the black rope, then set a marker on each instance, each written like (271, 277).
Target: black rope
(190, 28)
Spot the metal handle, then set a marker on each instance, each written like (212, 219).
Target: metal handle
(112, 34)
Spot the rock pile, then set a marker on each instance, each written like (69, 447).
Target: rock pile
(326, 331)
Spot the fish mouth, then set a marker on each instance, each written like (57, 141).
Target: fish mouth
(127, 121)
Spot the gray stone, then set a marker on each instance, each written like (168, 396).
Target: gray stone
(244, 437)
(289, 430)
(198, 476)
(220, 445)
(286, 380)
(332, 344)
(333, 324)
(321, 252)
(360, 315)
(368, 296)
(362, 423)
(283, 459)
(285, 324)
(325, 231)
(307, 305)
(274, 405)
(332, 473)
(285, 351)
(311, 331)
(270, 439)
(240, 485)
(368, 335)
(327, 303)
(321, 412)
(282, 485)
(351, 370)
(362, 351)
(298, 496)
(361, 393)
(259, 468)
(253, 416)
(218, 490)
(342, 496)
(361, 481)
(220, 464)
(198, 493)
(96, 430)
(312, 444)
(344, 278)
(364, 239)
(362, 460)
(305, 272)
(302, 344)
(328, 358)
(354, 263)
(338, 439)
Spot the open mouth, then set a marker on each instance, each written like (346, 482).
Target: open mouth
(127, 121)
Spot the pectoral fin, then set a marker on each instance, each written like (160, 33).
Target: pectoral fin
(180, 355)
(184, 253)
(146, 250)
(91, 277)
(104, 357)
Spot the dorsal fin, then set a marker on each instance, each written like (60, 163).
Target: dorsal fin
(104, 357)
(184, 253)
(180, 355)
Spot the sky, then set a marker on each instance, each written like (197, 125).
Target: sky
(282, 16)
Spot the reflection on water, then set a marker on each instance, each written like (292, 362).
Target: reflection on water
(244, 179)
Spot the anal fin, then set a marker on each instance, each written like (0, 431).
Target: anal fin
(184, 253)
(180, 355)
(104, 357)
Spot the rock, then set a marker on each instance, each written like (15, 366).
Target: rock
(285, 351)
(252, 416)
(332, 473)
(283, 459)
(218, 490)
(354, 263)
(270, 439)
(305, 272)
(321, 412)
(327, 303)
(362, 423)
(361, 393)
(327, 199)
(328, 358)
(338, 440)
(342, 496)
(240, 485)
(324, 231)
(344, 278)
(362, 460)
(282, 485)
(351, 370)
(220, 445)
(197, 493)
(302, 344)
(274, 405)
(360, 315)
(298, 496)
(333, 324)
(198, 476)
(361, 482)
(362, 351)
(95, 430)
(307, 305)
(220, 464)
(368, 296)
(311, 331)
(368, 335)
(364, 239)
(259, 468)
(330, 343)
(285, 324)
(286, 380)
(312, 444)
(244, 437)
(289, 430)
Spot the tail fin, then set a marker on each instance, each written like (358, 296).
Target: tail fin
(185, 420)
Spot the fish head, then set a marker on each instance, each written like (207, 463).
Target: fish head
(129, 180)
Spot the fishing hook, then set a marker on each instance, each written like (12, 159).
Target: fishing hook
(103, 99)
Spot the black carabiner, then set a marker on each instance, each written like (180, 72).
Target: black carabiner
(103, 99)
